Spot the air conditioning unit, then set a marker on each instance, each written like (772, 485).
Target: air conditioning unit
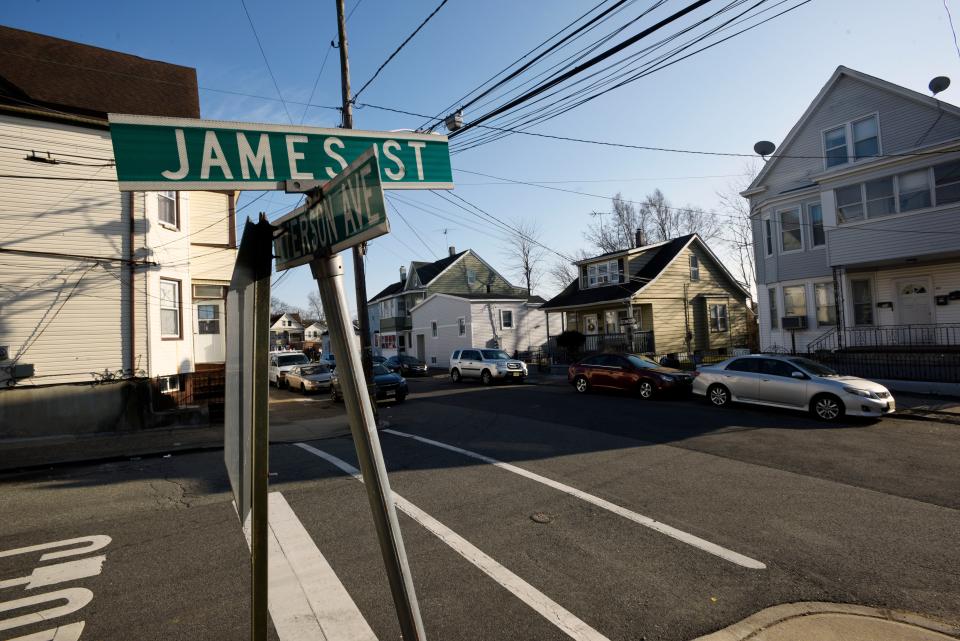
(794, 322)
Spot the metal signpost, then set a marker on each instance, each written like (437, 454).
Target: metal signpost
(348, 210)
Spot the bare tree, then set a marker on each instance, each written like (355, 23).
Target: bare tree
(277, 306)
(315, 308)
(563, 272)
(620, 231)
(739, 227)
(664, 221)
(526, 253)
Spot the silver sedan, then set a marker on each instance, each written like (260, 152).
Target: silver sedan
(792, 382)
(309, 378)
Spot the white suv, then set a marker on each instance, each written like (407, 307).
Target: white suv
(486, 364)
(283, 362)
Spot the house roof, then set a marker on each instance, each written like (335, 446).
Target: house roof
(81, 79)
(821, 96)
(389, 290)
(426, 272)
(573, 296)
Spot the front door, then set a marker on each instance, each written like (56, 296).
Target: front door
(914, 302)
(208, 344)
(590, 324)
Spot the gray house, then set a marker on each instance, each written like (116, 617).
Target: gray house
(856, 222)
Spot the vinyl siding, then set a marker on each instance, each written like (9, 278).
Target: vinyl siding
(808, 262)
(529, 331)
(454, 279)
(209, 217)
(896, 237)
(445, 311)
(943, 278)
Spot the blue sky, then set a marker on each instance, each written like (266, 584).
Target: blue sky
(725, 99)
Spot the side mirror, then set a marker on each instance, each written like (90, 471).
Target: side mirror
(799, 375)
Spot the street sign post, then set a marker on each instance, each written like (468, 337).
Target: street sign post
(349, 210)
(184, 154)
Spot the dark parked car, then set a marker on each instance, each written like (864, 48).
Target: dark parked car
(407, 365)
(388, 385)
(628, 372)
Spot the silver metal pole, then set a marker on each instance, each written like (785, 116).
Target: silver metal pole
(329, 275)
(260, 461)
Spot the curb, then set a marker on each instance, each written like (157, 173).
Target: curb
(936, 417)
(769, 617)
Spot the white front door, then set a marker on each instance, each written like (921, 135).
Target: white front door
(208, 344)
(913, 300)
(590, 324)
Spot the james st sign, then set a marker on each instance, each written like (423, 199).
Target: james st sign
(183, 154)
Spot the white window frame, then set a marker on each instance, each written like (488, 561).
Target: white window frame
(813, 237)
(471, 276)
(504, 326)
(873, 302)
(694, 268)
(816, 303)
(434, 329)
(718, 317)
(169, 384)
(895, 178)
(177, 307)
(848, 137)
(780, 213)
(612, 275)
(806, 300)
(462, 326)
(175, 199)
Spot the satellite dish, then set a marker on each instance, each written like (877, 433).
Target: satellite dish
(764, 148)
(938, 84)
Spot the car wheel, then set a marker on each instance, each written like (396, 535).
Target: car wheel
(333, 395)
(303, 388)
(485, 377)
(646, 390)
(827, 407)
(718, 395)
(455, 376)
(581, 385)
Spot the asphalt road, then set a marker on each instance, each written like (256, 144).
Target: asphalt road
(604, 517)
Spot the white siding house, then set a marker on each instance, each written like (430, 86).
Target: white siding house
(446, 322)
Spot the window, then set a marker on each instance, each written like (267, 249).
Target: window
(774, 317)
(862, 301)
(826, 304)
(835, 146)
(506, 319)
(169, 384)
(208, 319)
(849, 203)
(434, 331)
(795, 300)
(401, 307)
(947, 180)
(623, 321)
(880, 200)
(388, 341)
(169, 308)
(718, 317)
(471, 355)
(461, 327)
(571, 320)
(167, 208)
(768, 227)
(694, 267)
(743, 365)
(866, 138)
(208, 291)
(914, 190)
(456, 355)
(471, 276)
(774, 367)
(400, 341)
(603, 273)
(791, 236)
(817, 236)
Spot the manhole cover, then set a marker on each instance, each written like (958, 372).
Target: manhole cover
(540, 517)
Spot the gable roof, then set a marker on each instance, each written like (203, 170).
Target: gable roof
(429, 271)
(293, 315)
(82, 79)
(818, 100)
(389, 290)
(666, 253)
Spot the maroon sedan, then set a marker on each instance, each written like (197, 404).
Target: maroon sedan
(627, 372)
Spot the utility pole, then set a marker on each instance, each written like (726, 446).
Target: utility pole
(359, 251)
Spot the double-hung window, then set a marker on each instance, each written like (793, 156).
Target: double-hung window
(826, 304)
(434, 330)
(880, 199)
(914, 190)
(947, 180)
(862, 301)
(849, 203)
(815, 211)
(461, 326)
(866, 138)
(208, 319)
(603, 273)
(694, 267)
(718, 317)
(853, 141)
(169, 308)
(772, 302)
(835, 146)
(791, 236)
(167, 208)
(768, 233)
(471, 276)
(795, 300)
(506, 319)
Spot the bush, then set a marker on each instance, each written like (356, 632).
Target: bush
(571, 339)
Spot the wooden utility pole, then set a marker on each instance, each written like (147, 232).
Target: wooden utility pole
(359, 251)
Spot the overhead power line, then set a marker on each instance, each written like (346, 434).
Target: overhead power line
(265, 61)
(397, 50)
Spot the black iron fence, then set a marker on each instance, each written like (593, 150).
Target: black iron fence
(888, 338)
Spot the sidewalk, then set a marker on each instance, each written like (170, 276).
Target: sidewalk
(814, 621)
(928, 408)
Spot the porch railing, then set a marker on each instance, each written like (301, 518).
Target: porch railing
(888, 338)
(640, 342)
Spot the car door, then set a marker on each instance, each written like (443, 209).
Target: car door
(742, 378)
(272, 370)
(470, 362)
(622, 374)
(604, 370)
(293, 377)
(778, 385)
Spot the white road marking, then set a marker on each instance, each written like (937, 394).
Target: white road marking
(646, 521)
(95, 542)
(69, 632)
(61, 572)
(75, 599)
(306, 599)
(541, 603)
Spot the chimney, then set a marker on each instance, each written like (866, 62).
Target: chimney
(452, 249)
(638, 239)
(403, 274)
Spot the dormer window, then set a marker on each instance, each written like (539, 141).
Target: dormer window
(599, 274)
(851, 142)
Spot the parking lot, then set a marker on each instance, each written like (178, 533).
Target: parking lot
(531, 512)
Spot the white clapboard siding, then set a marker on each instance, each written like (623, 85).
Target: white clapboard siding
(529, 331)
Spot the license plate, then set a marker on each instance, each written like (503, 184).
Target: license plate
(516, 373)
(391, 392)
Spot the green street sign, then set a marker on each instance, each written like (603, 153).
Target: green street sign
(349, 211)
(183, 154)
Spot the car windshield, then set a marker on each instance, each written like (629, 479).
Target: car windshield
(314, 369)
(494, 354)
(813, 367)
(380, 370)
(410, 360)
(642, 362)
(292, 359)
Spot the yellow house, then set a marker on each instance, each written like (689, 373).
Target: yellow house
(670, 297)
